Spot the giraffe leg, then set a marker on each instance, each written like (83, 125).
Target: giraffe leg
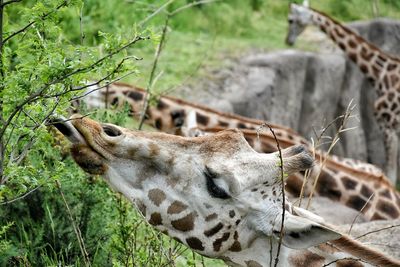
(391, 143)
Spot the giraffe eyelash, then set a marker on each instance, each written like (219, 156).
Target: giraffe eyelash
(213, 189)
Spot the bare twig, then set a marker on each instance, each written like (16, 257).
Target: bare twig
(76, 228)
(360, 212)
(161, 8)
(378, 230)
(324, 156)
(192, 4)
(342, 259)
(282, 176)
(21, 197)
(152, 73)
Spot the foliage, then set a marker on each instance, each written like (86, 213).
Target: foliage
(69, 42)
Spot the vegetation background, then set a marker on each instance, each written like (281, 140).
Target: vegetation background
(53, 214)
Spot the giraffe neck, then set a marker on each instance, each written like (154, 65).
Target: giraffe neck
(170, 113)
(373, 62)
(344, 251)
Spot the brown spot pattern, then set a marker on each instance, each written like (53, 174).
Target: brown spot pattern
(306, 259)
(327, 186)
(386, 194)
(157, 196)
(349, 183)
(161, 105)
(136, 96)
(184, 224)
(201, 119)
(176, 207)
(214, 230)
(231, 213)
(195, 243)
(218, 242)
(211, 217)
(356, 202)
(388, 208)
(155, 219)
(235, 246)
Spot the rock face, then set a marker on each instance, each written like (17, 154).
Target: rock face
(303, 90)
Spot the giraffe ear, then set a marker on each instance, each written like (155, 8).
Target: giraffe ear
(302, 233)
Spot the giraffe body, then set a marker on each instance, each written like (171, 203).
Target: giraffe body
(344, 180)
(213, 193)
(381, 69)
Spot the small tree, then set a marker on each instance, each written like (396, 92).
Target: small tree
(41, 71)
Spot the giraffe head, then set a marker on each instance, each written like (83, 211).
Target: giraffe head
(213, 193)
(299, 17)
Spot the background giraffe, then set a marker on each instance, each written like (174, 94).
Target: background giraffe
(344, 180)
(201, 191)
(382, 70)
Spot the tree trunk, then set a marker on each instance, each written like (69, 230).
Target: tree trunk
(2, 146)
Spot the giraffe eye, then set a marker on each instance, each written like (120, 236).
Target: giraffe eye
(214, 189)
(111, 131)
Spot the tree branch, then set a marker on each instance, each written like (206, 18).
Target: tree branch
(9, 2)
(39, 92)
(23, 29)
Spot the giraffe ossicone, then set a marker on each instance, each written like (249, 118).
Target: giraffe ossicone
(213, 193)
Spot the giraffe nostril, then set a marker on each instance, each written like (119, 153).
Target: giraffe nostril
(111, 131)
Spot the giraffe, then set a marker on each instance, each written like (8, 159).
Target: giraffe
(215, 194)
(381, 69)
(344, 180)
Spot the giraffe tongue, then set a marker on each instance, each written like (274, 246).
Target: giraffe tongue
(68, 130)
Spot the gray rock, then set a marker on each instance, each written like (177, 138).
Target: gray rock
(303, 90)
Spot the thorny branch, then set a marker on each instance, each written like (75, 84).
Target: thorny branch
(282, 176)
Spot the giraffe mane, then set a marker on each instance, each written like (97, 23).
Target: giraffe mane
(356, 35)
